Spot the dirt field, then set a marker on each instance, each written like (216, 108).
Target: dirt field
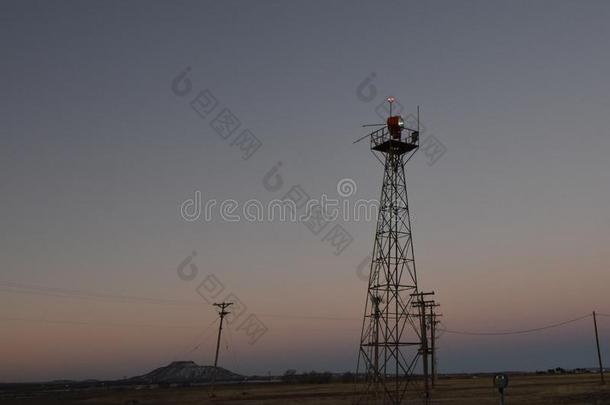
(522, 390)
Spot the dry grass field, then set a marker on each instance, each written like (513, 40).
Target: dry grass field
(530, 390)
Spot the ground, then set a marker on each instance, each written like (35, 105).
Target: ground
(522, 390)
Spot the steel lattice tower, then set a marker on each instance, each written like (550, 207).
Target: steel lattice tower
(390, 343)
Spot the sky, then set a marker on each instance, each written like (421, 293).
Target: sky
(103, 144)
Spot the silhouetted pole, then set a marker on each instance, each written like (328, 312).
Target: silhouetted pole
(433, 343)
(422, 304)
(376, 302)
(424, 345)
(434, 322)
(222, 312)
(599, 354)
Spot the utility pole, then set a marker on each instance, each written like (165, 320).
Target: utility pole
(433, 323)
(599, 355)
(222, 312)
(423, 305)
(433, 348)
(376, 302)
(424, 346)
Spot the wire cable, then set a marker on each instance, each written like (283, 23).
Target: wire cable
(89, 295)
(120, 298)
(130, 299)
(103, 323)
(597, 313)
(197, 341)
(515, 332)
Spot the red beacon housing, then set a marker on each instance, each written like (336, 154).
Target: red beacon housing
(395, 126)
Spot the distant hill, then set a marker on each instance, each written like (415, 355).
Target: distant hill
(184, 372)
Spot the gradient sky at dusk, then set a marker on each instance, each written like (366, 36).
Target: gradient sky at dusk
(97, 154)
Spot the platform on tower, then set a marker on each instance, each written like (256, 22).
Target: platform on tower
(382, 141)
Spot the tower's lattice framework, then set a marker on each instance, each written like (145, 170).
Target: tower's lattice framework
(390, 343)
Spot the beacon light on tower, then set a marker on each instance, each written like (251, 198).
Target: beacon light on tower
(390, 135)
(395, 125)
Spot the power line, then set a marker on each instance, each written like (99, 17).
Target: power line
(21, 288)
(306, 317)
(199, 339)
(118, 324)
(230, 348)
(90, 295)
(515, 332)
(129, 299)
